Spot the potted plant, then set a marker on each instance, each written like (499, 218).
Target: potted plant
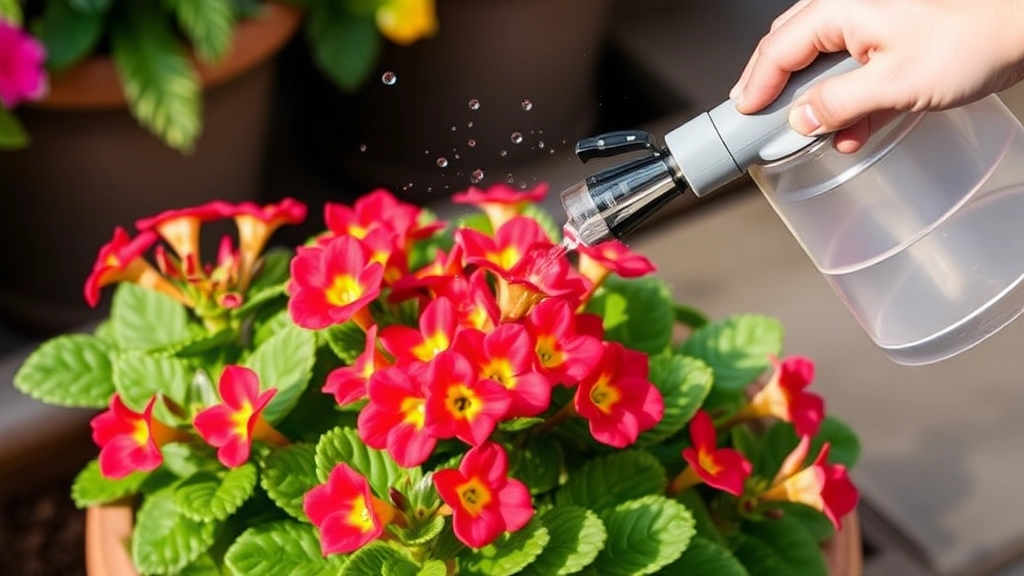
(148, 103)
(402, 395)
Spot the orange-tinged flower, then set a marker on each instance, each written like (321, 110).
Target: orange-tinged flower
(566, 353)
(501, 202)
(257, 223)
(406, 21)
(332, 284)
(437, 328)
(381, 246)
(346, 512)
(784, 397)
(232, 426)
(485, 501)
(180, 228)
(130, 441)
(395, 417)
(825, 487)
(122, 260)
(475, 305)
(461, 405)
(542, 272)
(378, 209)
(722, 468)
(598, 261)
(617, 398)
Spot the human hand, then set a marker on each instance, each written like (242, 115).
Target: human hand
(916, 55)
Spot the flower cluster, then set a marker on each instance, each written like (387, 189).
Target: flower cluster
(405, 395)
(22, 77)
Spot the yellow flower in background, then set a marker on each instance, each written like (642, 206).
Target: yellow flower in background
(406, 21)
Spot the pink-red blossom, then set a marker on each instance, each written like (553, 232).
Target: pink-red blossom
(345, 511)
(232, 425)
(333, 283)
(506, 355)
(566, 354)
(501, 202)
(722, 468)
(460, 404)
(129, 441)
(22, 66)
(617, 399)
(394, 419)
(825, 487)
(784, 396)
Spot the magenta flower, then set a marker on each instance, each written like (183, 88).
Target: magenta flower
(332, 284)
(506, 355)
(22, 71)
(130, 441)
(617, 398)
(722, 468)
(394, 419)
(461, 405)
(345, 511)
(232, 426)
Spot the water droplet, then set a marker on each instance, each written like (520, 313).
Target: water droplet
(442, 162)
(389, 78)
(517, 137)
(510, 178)
(471, 143)
(503, 153)
(551, 151)
(474, 104)
(454, 128)
(469, 124)
(540, 144)
(476, 176)
(457, 156)
(362, 147)
(527, 105)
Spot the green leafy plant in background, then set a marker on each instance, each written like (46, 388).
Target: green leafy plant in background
(403, 395)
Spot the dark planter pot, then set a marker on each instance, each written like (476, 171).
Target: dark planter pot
(90, 168)
(422, 138)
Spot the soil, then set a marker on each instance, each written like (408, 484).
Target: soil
(42, 533)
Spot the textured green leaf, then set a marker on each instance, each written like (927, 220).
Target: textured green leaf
(10, 10)
(207, 496)
(815, 522)
(613, 479)
(347, 340)
(577, 536)
(147, 320)
(287, 474)
(185, 459)
(343, 445)
(205, 565)
(90, 6)
(519, 424)
(272, 270)
(209, 25)
(69, 34)
(284, 362)
(780, 547)
(704, 556)
(71, 370)
(164, 540)
(12, 134)
(738, 349)
(139, 376)
(379, 558)
(509, 554)
(345, 46)
(91, 487)
(422, 532)
(703, 522)
(684, 383)
(269, 325)
(538, 464)
(637, 312)
(644, 535)
(283, 547)
(202, 342)
(160, 84)
(433, 568)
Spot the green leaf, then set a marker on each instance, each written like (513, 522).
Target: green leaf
(613, 479)
(344, 445)
(272, 270)
(379, 558)
(780, 547)
(703, 556)
(509, 554)
(684, 383)
(70, 34)
(164, 540)
(12, 134)
(433, 568)
(345, 46)
(287, 474)
(10, 10)
(203, 342)
(546, 222)
(144, 319)
(283, 547)
(160, 84)
(815, 522)
(637, 312)
(91, 487)
(72, 370)
(268, 326)
(519, 424)
(139, 376)
(207, 496)
(209, 26)
(284, 362)
(205, 565)
(644, 535)
(576, 537)
(422, 532)
(689, 316)
(90, 6)
(185, 459)
(738, 349)
(347, 340)
(703, 522)
(538, 464)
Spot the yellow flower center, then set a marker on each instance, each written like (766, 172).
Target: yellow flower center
(548, 351)
(500, 370)
(240, 419)
(432, 346)
(360, 516)
(414, 411)
(344, 290)
(462, 402)
(474, 495)
(708, 463)
(604, 395)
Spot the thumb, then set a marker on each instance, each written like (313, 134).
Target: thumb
(841, 101)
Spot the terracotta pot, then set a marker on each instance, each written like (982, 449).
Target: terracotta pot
(91, 167)
(422, 138)
(109, 528)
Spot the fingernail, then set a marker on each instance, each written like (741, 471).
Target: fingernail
(803, 120)
(734, 93)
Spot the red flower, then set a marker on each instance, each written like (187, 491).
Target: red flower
(825, 487)
(22, 66)
(543, 272)
(597, 262)
(381, 246)
(506, 355)
(617, 398)
(257, 223)
(501, 202)
(122, 260)
(332, 284)
(232, 426)
(180, 228)
(378, 209)
(348, 383)
(474, 301)
(394, 418)
(129, 441)
(461, 405)
(506, 248)
(346, 512)
(721, 468)
(783, 397)
(566, 355)
(438, 325)
(485, 502)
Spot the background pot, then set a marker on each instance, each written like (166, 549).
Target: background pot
(91, 167)
(422, 138)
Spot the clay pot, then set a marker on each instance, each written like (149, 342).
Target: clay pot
(530, 67)
(91, 167)
(109, 528)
